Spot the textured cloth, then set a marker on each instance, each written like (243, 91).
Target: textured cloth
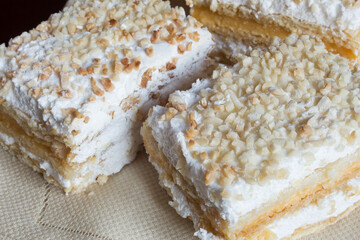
(131, 205)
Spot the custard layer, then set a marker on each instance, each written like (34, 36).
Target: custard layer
(249, 29)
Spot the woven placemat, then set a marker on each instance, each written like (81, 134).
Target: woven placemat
(131, 205)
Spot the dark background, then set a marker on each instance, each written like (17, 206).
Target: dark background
(17, 16)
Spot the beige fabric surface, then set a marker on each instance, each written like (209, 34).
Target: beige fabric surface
(131, 205)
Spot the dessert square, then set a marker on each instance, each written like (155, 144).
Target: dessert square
(75, 89)
(243, 150)
(336, 23)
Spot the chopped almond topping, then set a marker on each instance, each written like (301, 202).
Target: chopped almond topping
(129, 67)
(181, 49)
(129, 102)
(65, 94)
(191, 133)
(180, 107)
(144, 42)
(43, 77)
(172, 41)
(191, 143)
(155, 36)
(137, 62)
(104, 70)
(37, 92)
(104, 43)
(86, 119)
(149, 51)
(306, 129)
(179, 23)
(146, 77)
(210, 176)
(112, 22)
(75, 65)
(48, 71)
(91, 69)
(82, 71)
(180, 37)
(171, 29)
(91, 99)
(117, 67)
(108, 86)
(128, 53)
(64, 80)
(89, 26)
(71, 28)
(188, 46)
(170, 66)
(95, 88)
(125, 61)
(195, 36)
(96, 60)
(75, 132)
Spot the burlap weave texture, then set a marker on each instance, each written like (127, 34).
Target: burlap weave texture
(131, 205)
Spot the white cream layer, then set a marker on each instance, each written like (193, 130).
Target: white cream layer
(171, 133)
(330, 13)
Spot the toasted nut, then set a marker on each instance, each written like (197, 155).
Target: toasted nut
(112, 22)
(82, 71)
(195, 36)
(305, 129)
(95, 88)
(149, 51)
(155, 36)
(181, 49)
(87, 119)
(188, 46)
(108, 86)
(210, 177)
(75, 132)
(180, 107)
(104, 43)
(191, 133)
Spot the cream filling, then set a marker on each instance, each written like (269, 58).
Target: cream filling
(332, 205)
(254, 195)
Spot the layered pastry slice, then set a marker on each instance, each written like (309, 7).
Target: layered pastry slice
(337, 22)
(270, 136)
(75, 89)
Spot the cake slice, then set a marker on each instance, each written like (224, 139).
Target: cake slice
(336, 23)
(260, 140)
(75, 90)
